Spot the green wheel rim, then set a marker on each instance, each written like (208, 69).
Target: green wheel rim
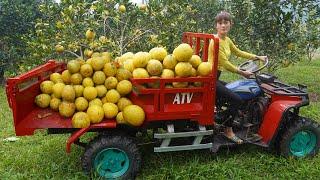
(111, 163)
(302, 143)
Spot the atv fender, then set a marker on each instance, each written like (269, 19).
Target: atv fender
(275, 114)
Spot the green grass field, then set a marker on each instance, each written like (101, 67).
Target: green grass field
(43, 156)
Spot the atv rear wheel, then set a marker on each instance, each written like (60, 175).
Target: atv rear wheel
(301, 139)
(112, 157)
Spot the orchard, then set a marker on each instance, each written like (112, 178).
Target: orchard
(123, 26)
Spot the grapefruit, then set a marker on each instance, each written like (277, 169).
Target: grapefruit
(99, 77)
(66, 77)
(56, 77)
(169, 62)
(158, 53)
(195, 61)
(113, 96)
(106, 57)
(128, 65)
(134, 115)
(54, 103)
(110, 69)
(111, 83)
(43, 100)
(167, 73)
(95, 113)
(81, 104)
(67, 109)
(183, 52)
(68, 93)
(197, 84)
(46, 87)
(78, 89)
(110, 110)
(120, 119)
(155, 84)
(124, 87)
(123, 74)
(57, 89)
(88, 53)
(76, 79)
(59, 48)
(96, 101)
(86, 70)
(90, 93)
(97, 63)
(127, 55)
(204, 69)
(183, 69)
(141, 59)
(193, 72)
(80, 120)
(122, 8)
(101, 90)
(140, 73)
(154, 67)
(123, 102)
(104, 100)
(90, 34)
(180, 84)
(87, 82)
(73, 66)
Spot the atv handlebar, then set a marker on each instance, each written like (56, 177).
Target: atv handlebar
(252, 66)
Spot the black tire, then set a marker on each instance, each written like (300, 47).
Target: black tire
(123, 143)
(302, 125)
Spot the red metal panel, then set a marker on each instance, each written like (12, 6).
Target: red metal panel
(157, 103)
(205, 50)
(200, 108)
(190, 41)
(273, 116)
(197, 46)
(214, 74)
(21, 91)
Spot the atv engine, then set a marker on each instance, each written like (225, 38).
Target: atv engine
(256, 109)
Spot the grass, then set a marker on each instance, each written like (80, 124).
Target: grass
(43, 156)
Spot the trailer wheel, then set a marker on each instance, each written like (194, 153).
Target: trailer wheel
(112, 157)
(301, 139)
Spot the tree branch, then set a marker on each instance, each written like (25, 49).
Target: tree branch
(107, 25)
(121, 37)
(72, 53)
(137, 37)
(81, 53)
(83, 45)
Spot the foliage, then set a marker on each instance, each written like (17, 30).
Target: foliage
(311, 29)
(280, 29)
(286, 31)
(17, 19)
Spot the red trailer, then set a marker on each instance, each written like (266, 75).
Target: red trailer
(272, 116)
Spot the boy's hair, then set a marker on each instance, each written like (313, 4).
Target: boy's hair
(223, 15)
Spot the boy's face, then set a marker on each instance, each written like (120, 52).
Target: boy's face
(223, 27)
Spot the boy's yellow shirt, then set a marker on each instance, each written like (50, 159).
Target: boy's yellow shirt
(226, 48)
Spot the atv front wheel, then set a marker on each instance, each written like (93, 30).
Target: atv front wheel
(301, 139)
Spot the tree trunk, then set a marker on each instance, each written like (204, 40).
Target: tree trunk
(1, 75)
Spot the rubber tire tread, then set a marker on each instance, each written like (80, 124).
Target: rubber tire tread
(294, 127)
(124, 143)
